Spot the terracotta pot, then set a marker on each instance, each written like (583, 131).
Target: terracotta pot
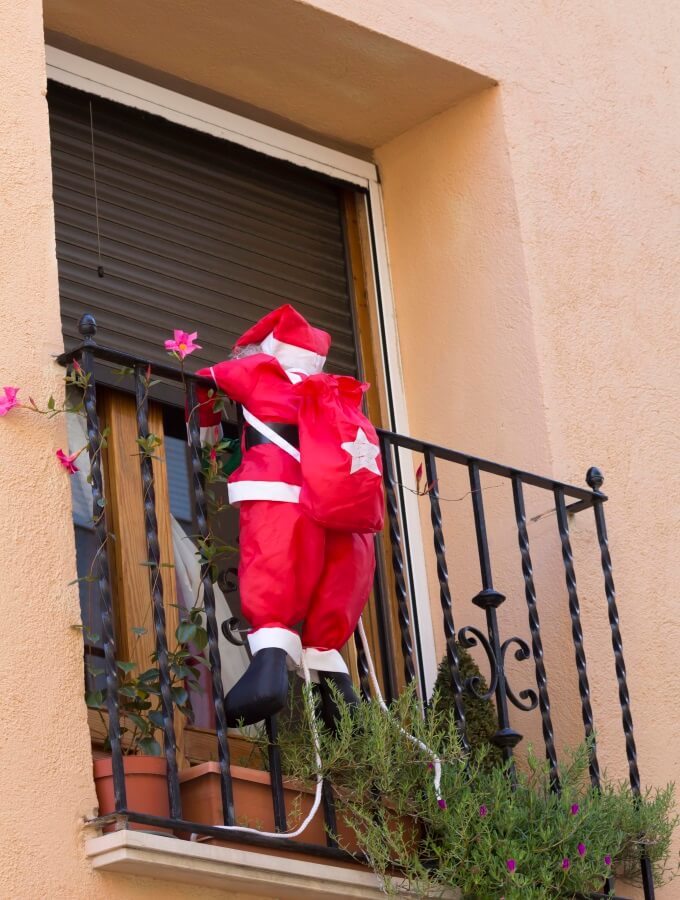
(202, 803)
(146, 788)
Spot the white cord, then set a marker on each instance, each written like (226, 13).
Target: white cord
(436, 762)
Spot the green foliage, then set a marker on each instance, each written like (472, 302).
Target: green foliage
(139, 695)
(481, 722)
(385, 794)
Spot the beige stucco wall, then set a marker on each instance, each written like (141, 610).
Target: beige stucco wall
(532, 231)
(45, 765)
(538, 223)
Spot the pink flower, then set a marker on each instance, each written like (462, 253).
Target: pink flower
(511, 864)
(483, 810)
(607, 860)
(9, 401)
(574, 809)
(565, 863)
(183, 343)
(581, 849)
(67, 461)
(442, 803)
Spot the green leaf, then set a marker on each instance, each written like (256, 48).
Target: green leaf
(148, 675)
(139, 631)
(150, 747)
(201, 639)
(94, 699)
(186, 631)
(156, 717)
(125, 666)
(51, 403)
(138, 720)
(128, 690)
(180, 695)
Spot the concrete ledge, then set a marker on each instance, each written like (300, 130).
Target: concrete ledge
(232, 870)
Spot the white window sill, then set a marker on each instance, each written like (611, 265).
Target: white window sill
(229, 868)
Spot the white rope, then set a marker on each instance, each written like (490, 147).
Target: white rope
(436, 762)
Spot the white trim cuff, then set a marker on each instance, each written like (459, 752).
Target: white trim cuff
(263, 490)
(324, 661)
(277, 637)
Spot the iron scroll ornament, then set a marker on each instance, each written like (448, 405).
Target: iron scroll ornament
(468, 637)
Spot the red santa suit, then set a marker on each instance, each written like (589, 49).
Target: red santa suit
(291, 569)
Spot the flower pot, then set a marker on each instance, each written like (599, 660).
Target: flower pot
(202, 803)
(146, 788)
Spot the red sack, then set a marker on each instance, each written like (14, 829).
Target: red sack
(339, 455)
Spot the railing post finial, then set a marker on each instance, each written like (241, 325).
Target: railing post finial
(594, 478)
(88, 328)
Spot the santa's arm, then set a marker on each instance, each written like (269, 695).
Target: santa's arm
(234, 377)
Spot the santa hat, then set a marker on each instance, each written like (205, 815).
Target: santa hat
(287, 326)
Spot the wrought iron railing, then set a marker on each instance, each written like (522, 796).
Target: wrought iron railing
(567, 499)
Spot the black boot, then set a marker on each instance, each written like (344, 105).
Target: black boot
(262, 691)
(344, 687)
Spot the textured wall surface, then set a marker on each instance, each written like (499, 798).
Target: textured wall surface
(533, 234)
(533, 239)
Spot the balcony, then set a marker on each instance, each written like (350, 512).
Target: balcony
(146, 842)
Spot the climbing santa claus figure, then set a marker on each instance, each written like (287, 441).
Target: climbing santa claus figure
(309, 492)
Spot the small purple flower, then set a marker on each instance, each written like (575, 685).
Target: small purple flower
(483, 810)
(511, 864)
(607, 860)
(442, 803)
(430, 766)
(574, 809)
(565, 863)
(581, 849)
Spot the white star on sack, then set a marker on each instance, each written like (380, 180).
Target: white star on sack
(363, 453)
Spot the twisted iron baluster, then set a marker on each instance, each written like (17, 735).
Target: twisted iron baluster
(209, 604)
(397, 559)
(362, 666)
(535, 628)
(153, 562)
(445, 596)
(275, 773)
(88, 328)
(595, 480)
(576, 630)
(489, 600)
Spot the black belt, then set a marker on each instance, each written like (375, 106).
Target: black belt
(287, 432)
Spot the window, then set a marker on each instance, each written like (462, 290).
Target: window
(160, 227)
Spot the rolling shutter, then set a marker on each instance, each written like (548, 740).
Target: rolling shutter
(195, 233)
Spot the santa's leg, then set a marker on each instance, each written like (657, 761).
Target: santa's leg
(337, 603)
(281, 555)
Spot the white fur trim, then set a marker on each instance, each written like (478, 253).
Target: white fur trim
(324, 660)
(271, 435)
(292, 357)
(211, 434)
(277, 637)
(264, 490)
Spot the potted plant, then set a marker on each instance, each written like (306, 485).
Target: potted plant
(141, 719)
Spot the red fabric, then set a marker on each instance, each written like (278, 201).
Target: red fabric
(288, 326)
(262, 386)
(292, 570)
(339, 491)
